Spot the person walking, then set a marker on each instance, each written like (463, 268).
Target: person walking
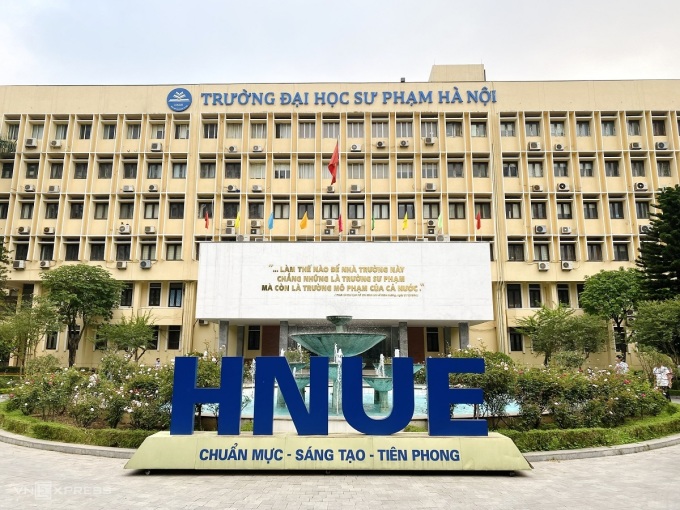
(664, 378)
(621, 366)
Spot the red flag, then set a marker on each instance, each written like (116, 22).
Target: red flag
(340, 223)
(479, 220)
(206, 216)
(333, 165)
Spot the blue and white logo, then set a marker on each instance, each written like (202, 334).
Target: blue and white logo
(179, 99)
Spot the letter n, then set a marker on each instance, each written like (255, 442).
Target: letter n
(440, 397)
(185, 396)
(307, 423)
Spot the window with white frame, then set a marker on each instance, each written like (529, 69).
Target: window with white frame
(633, 127)
(582, 128)
(381, 211)
(157, 131)
(101, 210)
(594, 249)
(305, 170)
(428, 128)
(557, 128)
(380, 171)
(355, 170)
(508, 128)
(561, 168)
(151, 210)
(134, 131)
(179, 170)
(533, 127)
(38, 129)
(380, 129)
(210, 130)
(611, 168)
(585, 168)
(513, 210)
(564, 210)
(109, 131)
(281, 210)
(256, 170)
(664, 168)
(541, 252)
(642, 209)
(608, 128)
(129, 170)
(233, 130)
(173, 251)
(590, 210)
(510, 169)
(404, 129)
(258, 130)
(148, 251)
(637, 167)
(330, 130)
(480, 169)
(60, 131)
(430, 170)
(307, 129)
(330, 210)
(478, 129)
(282, 170)
(430, 210)
(56, 170)
(355, 129)
(282, 130)
(454, 169)
(454, 128)
(483, 209)
(535, 168)
(456, 210)
(105, 170)
(568, 251)
(181, 131)
(405, 170)
(616, 210)
(208, 170)
(153, 171)
(12, 131)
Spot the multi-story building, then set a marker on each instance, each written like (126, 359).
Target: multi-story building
(558, 177)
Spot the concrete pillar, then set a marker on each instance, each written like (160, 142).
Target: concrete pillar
(283, 336)
(447, 340)
(463, 335)
(403, 340)
(223, 337)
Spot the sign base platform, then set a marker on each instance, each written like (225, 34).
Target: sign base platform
(405, 451)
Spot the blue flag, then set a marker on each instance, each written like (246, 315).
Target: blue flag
(270, 224)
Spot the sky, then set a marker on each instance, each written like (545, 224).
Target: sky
(57, 42)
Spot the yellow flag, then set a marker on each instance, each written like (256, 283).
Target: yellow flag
(237, 223)
(303, 221)
(404, 224)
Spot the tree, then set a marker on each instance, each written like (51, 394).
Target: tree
(657, 325)
(22, 331)
(134, 336)
(85, 293)
(659, 257)
(612, 295)
(558, 329)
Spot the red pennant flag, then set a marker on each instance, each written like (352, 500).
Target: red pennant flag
(479, 220)
(333, 165)
(206, 216)
(340, 223)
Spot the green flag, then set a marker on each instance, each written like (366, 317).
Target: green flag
(372, 223)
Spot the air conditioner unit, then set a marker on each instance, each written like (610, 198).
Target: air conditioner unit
(537, 188)
(640, 186)
(430, 231)
(431, 223)
(330, 223)
(565, 230)
(202, 322)
(232, 148)
(661, 146)
(156, 147)
(55, 144)
(231, 223)
(45, 264)
(19, 264)
(124, 229)
(24, 230)
(254, 232)
(430, 186)
(29, 188)
(327, 232)
(153, 188)
(442, 238)
(145, 264)
(121, 264)
(562, 186)
(241, 239)
(232, 189)
(380, 144)
(353, 231)
(403, 143)
(635, 146)
(559, 147)
(355, 224)
(429, 140)
(49, 231)
(534, 146)
(230, 231)
(53, 189)
(567, 265)
(354, 188)
(258, 148)
(330, 189)
(355, 147)
(543, 266)
(645, 229)
(257, 188)
(255, 224)
(541, 229)
(128, 189)
(150, 230)
(30, 143)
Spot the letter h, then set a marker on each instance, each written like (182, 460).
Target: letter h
(185, 396)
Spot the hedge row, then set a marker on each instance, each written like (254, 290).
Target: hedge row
(51, 431)
(665, 424)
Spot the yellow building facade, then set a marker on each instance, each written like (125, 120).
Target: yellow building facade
(558, 177)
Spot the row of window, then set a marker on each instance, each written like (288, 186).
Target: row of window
(532, 127)
(172, 334)
(532, 295)
(595, 249)
(354, 169)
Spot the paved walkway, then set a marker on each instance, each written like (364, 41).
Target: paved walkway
(31, 478)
